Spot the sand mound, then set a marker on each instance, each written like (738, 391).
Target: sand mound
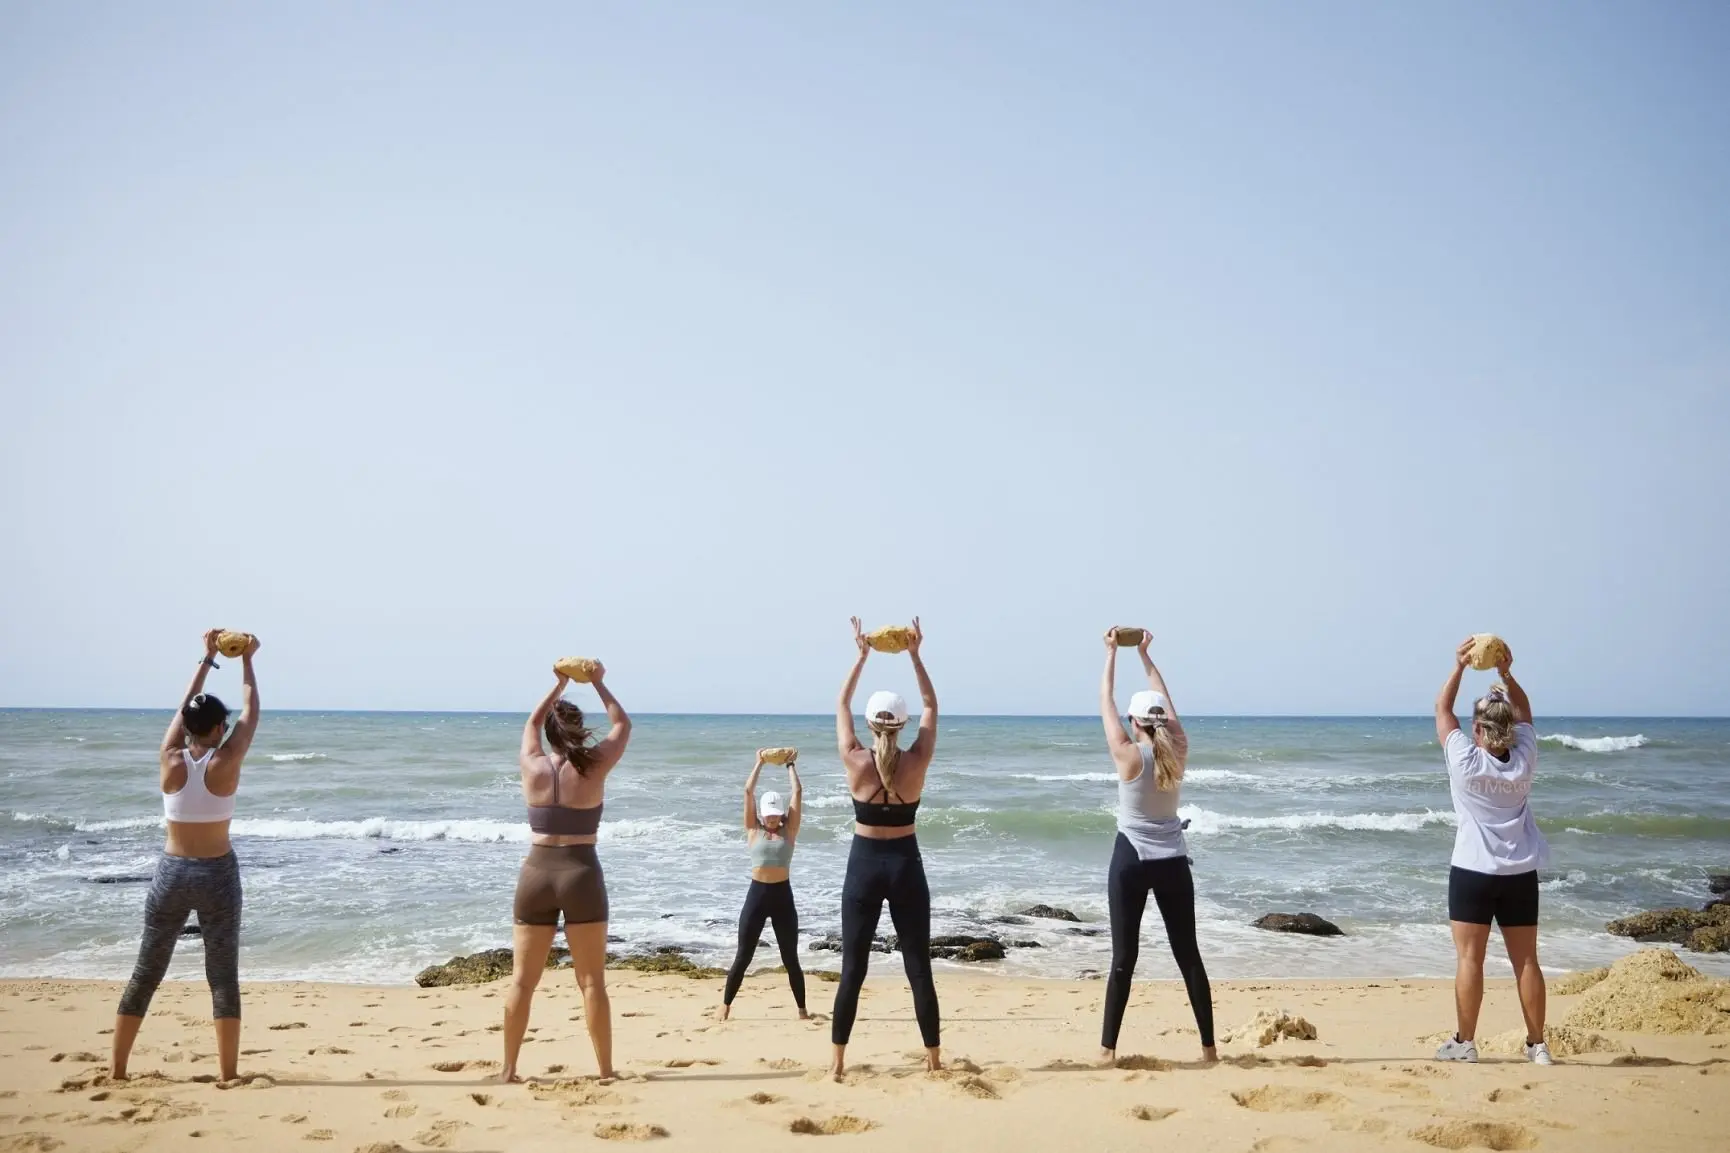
(1267, 1027)
(1654, 991)
(1564, 1041)
(1488, 651)
(1576, 983)
(830, 1126)
(1280, 1099)
(1498, 1135)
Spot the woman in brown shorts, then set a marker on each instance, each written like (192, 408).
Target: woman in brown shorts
(562, 874)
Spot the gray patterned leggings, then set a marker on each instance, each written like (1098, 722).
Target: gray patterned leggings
(210, 887)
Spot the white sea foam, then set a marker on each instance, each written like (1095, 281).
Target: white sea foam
(280, 757)
(1064, 776)
(1202, 822)
(1220, 775)
(1596, 744)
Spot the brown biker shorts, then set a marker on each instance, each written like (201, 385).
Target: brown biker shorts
(560, 878)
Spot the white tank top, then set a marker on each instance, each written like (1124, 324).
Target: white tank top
(195, 803)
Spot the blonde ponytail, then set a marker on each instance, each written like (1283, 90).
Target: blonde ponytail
(1495, 719)
(886, 751)
(1167, 765)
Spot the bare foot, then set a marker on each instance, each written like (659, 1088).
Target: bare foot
(838, 1067)
(117, 1073)
(508, 1077)
(1108, 1058)
(1210, 1055)
(725, 1010)
(804, 1016)
(608, 1076)
(933, 1060)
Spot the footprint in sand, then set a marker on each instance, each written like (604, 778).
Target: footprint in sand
(764, 1099)
(289, 1025)
(253, 1052)
(151, 1110)
(481, 1099)
(29, 1143)
(442, 1135)
(394, 1095)
(460, 1066)
(967, 1084)
(783, 1063)
(1150, 1113)
(621, 1131)
(398, 1112)
(687, 1062)
(576, 1093)
(1145, 1064)
(293, 1118)
(555, 1068)
(381, 1147)
(329, 1051)
(830, 1126)
(1280, 1099)
(1497, 1135)
(320, 1135)
(1504, 1096)
(1277, 1144)
(80, 1057)
(1359, 1125)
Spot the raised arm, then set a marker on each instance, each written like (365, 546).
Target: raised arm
(926, 742)
(795, 806)
(1157, 682)
(1446, 722)
(611, 747)
(751, 825)
(240, 740)
(846, 739)
(1516, 694)
(532, 747)
(175, 738)
(1115, 736)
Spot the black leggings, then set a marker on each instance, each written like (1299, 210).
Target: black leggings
(774, 903)
(210, 887)
(1173, 889)
(879, 871)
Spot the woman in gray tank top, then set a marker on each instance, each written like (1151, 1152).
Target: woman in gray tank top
(1150, 855)
(771, 828)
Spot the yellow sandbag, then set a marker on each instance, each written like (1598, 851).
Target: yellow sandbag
(1488, 651)
(784, 756)
(1127, 638)
(891, 639)
(232, 644)
(579, 669)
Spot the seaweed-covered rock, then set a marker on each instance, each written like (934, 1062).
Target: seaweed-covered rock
(666, 959)
(480, 968)
(1050, 912)
(1671, 926)
(1718, 882)
(832, 944)
(1306, 923)
(1710, 939)
(981, 951)
(961, 947)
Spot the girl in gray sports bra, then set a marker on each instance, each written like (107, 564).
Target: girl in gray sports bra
(771, 827)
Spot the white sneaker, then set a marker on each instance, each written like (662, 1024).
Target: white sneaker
(1539, 1054)
(1454, 1049)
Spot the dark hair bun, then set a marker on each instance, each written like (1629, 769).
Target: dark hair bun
(203, 713)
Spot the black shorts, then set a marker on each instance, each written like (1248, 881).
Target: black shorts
(1480, 898)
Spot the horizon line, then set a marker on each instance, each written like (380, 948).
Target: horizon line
(807, 716)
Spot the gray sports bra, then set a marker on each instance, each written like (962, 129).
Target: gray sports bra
(771, 852)
(560, 821)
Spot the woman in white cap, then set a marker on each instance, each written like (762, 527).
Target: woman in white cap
(1498, 851)
(1150, 855)
(884, 863)
(771, 827)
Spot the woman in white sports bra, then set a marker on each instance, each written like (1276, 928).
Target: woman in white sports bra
(1150, 855)
(198, 872)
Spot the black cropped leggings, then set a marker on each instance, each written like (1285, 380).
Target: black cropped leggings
(1173, 888)
(773, 903)
(210, 887)
(879, 871)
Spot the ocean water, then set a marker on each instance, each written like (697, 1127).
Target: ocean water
(373, 844)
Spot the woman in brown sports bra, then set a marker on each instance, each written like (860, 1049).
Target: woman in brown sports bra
(562, 874)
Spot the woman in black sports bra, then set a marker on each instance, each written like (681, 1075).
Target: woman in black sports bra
(885, 782)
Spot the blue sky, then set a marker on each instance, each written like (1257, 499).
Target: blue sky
(433, 341)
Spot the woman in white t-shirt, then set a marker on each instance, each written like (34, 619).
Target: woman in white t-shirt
(1497, 851)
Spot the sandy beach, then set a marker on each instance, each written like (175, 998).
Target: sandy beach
(377, 1069)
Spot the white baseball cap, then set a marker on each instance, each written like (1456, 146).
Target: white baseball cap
(883, 702)
(1147, 704)
(771, 805)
